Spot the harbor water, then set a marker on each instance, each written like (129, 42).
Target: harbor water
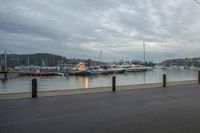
(23, 84)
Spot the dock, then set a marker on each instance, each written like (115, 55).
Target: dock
(173, 109)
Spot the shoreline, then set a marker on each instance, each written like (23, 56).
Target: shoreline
(21, 95)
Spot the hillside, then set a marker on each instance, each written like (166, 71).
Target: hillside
(41, 59)
(182, 62)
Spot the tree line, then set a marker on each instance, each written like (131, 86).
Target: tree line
(42, 59)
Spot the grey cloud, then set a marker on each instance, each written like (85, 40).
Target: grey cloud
(79, 29)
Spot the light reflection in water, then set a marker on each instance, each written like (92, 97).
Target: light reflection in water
(83, 81)
(86, 83)
(144, 77)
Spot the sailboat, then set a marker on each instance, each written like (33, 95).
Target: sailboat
(138, 68)
(117, 69)
(104, 69)
(145, 68)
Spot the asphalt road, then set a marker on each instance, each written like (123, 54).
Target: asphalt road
(156, 110)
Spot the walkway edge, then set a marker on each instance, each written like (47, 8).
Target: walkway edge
(93, 90)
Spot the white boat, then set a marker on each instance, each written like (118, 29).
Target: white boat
(136, 68)
(105, 71)
(94, 71)
(117, 69)
(163, 67)
(125, 66)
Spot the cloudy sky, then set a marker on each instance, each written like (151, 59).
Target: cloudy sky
(81, 28)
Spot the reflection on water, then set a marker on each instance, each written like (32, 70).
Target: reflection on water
(83, 81)
(23, 84)
(3, 81)
(86, 83)
(144, 77)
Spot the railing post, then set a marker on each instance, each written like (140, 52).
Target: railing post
(34, 88)
(164, 80)
(113, 83)
(199, 77)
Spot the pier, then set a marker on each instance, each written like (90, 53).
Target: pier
(171, 109)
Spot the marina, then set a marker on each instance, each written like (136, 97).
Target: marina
(99, 66)
(49, 83)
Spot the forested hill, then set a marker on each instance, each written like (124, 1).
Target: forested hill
(41, 59)
(182, 62)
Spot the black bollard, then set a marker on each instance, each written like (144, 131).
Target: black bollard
(164, 80)
(34, 88)
(199, 77)
(113, 83)
(5, 76)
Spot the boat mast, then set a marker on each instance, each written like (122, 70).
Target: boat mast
(144, 52)
(28, 62)
(101, 57)
(5, 61)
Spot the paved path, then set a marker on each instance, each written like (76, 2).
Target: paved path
(155, 110)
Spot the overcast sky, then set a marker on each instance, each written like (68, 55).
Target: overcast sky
(81, 28)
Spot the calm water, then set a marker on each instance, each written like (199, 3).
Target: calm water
(23, 84)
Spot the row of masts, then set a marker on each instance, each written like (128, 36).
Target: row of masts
(5, 60)
(144, 53)
(101, 58)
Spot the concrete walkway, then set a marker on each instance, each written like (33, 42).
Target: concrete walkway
(174, 109)
(57, 92)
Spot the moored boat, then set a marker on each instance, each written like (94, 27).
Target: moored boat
(71, 70)
(136, 68)
(83, 73)
(40, 74)
(81, 70)
(94, 71)
(118, 70)
(105, 71)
